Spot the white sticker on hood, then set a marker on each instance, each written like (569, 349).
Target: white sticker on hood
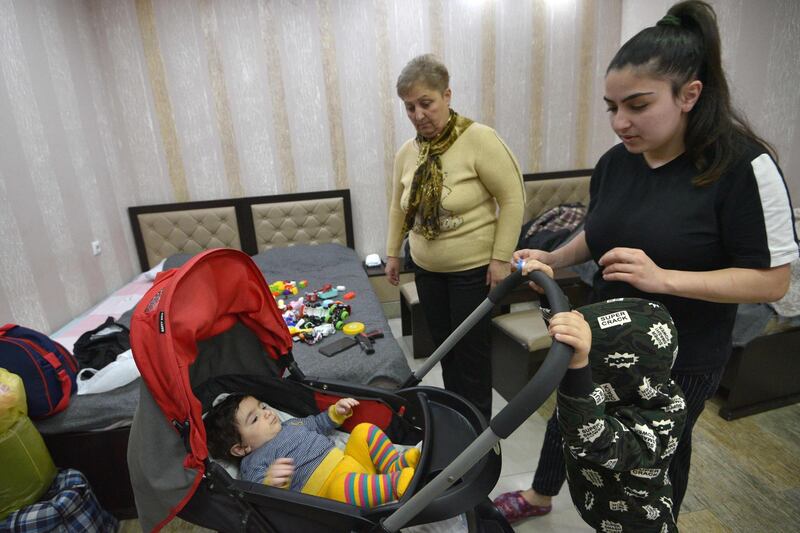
(660, 334)
(613, 319)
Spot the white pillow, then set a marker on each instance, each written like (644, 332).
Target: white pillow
(150, 275)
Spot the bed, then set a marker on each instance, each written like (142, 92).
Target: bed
(306, 236)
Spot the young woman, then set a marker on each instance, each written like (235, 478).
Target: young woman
(689, 210)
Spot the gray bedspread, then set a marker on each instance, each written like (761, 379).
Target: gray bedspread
(319, 264)
(339, 265)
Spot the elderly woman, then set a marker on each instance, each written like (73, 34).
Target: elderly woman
(458, 193)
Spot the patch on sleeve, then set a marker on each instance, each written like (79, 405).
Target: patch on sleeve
(589, 432)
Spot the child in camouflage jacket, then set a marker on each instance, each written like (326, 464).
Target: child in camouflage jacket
(619, 413)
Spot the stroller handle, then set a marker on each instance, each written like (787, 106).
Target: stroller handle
(511, 417)
(549, 375)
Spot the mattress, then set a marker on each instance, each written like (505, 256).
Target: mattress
(338, 265)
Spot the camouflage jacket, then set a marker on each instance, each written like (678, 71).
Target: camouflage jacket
(621, 417)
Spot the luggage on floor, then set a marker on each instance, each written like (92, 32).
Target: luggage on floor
(27, 468)
(47, 369)
(68, 506)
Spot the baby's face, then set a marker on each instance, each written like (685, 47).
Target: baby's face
(258, 424)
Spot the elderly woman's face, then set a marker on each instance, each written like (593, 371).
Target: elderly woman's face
(427, 109)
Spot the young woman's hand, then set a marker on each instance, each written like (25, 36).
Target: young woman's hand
(279, 473)
(634, 267)
(345, 406)
(571, 329)
(528, 254)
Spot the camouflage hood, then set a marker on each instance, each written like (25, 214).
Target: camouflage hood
(634, 344)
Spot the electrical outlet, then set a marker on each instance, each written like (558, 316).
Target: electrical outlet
(96, 250)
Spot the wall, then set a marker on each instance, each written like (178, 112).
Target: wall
(760, 44)
(65, 173)
(107, 104)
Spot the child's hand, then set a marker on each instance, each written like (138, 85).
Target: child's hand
(279, 473)
(571, 329)
(345, 406)
(531, 265)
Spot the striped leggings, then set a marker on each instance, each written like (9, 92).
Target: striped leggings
(372, 472)
(697, 388)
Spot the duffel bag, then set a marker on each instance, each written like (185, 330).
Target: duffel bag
(68, 506)
(47, 369)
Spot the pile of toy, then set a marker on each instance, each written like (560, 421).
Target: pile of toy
(315, 315)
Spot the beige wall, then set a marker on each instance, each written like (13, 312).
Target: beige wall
(761, 55)
(107, 104)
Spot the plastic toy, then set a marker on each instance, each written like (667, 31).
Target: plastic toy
(327, 294)
(353, 328)
(350, 295)
(325, 329)
(337, 314)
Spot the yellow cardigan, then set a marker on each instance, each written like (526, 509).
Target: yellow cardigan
(480, 176)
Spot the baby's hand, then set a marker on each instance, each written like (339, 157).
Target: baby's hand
(345, 406)
(571, 329)
(279, 473)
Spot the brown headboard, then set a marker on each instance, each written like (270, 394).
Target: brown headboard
(548, 189)
(251, 224)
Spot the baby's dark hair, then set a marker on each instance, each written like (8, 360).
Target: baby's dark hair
(221, 429)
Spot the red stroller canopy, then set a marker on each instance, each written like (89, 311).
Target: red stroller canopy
(207, 296)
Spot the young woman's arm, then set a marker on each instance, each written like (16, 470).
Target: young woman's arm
(728, 285)
(576, 251)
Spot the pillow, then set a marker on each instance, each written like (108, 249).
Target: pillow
(176, 260)
(150, 275)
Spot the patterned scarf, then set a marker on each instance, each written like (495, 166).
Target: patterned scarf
(426, 188)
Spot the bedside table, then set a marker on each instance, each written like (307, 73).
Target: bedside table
(388, 295)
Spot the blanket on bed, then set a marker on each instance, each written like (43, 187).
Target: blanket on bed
(339, 265)
(319, 264)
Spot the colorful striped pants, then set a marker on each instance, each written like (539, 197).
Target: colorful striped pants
(372, 472)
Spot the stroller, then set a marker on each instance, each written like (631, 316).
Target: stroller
(212, 326)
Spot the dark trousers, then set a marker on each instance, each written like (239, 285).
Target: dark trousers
(697, 388)
(447, 298)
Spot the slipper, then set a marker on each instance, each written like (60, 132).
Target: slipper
(515, 507)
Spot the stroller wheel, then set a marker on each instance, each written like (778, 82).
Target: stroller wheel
(486, 518)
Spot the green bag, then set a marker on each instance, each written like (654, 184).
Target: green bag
(28, 469)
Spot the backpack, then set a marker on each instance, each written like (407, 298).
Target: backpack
(99, 347)
(47, 369)
(552, 228)
(69, 506)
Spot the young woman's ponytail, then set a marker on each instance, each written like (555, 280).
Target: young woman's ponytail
(685, 46)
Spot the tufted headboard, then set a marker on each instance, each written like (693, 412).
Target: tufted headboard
(549, 189)
(251, 224)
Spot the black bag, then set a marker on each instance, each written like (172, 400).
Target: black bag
(552, 228)
(101, 346)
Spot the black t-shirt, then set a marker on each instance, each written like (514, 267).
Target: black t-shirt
(744, 220)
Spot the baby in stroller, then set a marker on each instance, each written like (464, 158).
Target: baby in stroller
(299, 455)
